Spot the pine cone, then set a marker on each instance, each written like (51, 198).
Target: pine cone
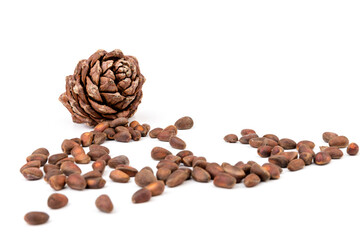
(104, 87)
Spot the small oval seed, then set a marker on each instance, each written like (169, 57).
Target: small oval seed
(352, 149)
(296, 164)
(177, 143)
(224, 180)
(141, 196)
(57, 200)
(104, 203)
(36, 218)
(251, 180)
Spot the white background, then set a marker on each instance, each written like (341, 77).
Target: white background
(284, 67)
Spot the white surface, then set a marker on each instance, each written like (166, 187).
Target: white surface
(284, 67)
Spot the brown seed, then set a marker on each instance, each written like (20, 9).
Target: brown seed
(82, 159)
(306, 157)
(239, 164)
(79, 155)
(305, 148)
(260, 171)
(251, 162)
(100, 127)
(95, 147)
(53, 159)
(199, 163)
(121, 121)
(165, 135)
(106, 158)
(99, 137)
(32, 173)
(123, 136)
(167, 164)
(177, 143)
(171, 128)
(48, 167)
(131, 171)
(231, 138)
(67, 145)
(119, 176)
(334, 152)
(87, 139)
(110, 133)
(184, 153)
(339, 141)
(273, 169)
(77, 140)
(104, 203)
(35, 164)
(37, 157)
(256, 142)
(176, 178)
(144, 177)
(148, 168)
(122, 129)
(163, 174)
(96, 154)
(296, 164)
(247, 132)
(272, 137)
(43, 151)
(200, 175)
(57, 200)
(269, 142)
(328, 135)
(135, 134)
(279, 160)
(188, 172)
(115, 161)
(95, 183)
(156, 188)
(246, 139)
(134, 123)
(308, 143)
(224, 180)
(51, 173)
(322, 158)
(36, 218)
(175, 159)
(147, 129)
(243, 166)
(287, 143)
(159, 153)
(141, 196)
(214, 169)
(264, 151)
(184, 123)
(277, 150)
(251, 180)
(289, 155)
(200, 158)
(236, 172)
(92, 174)
(352, 149)
(68, 159)
(155, 132)
(141, 129)
(76, 181)
(57, 182)
(322, 148)
(69, 168)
